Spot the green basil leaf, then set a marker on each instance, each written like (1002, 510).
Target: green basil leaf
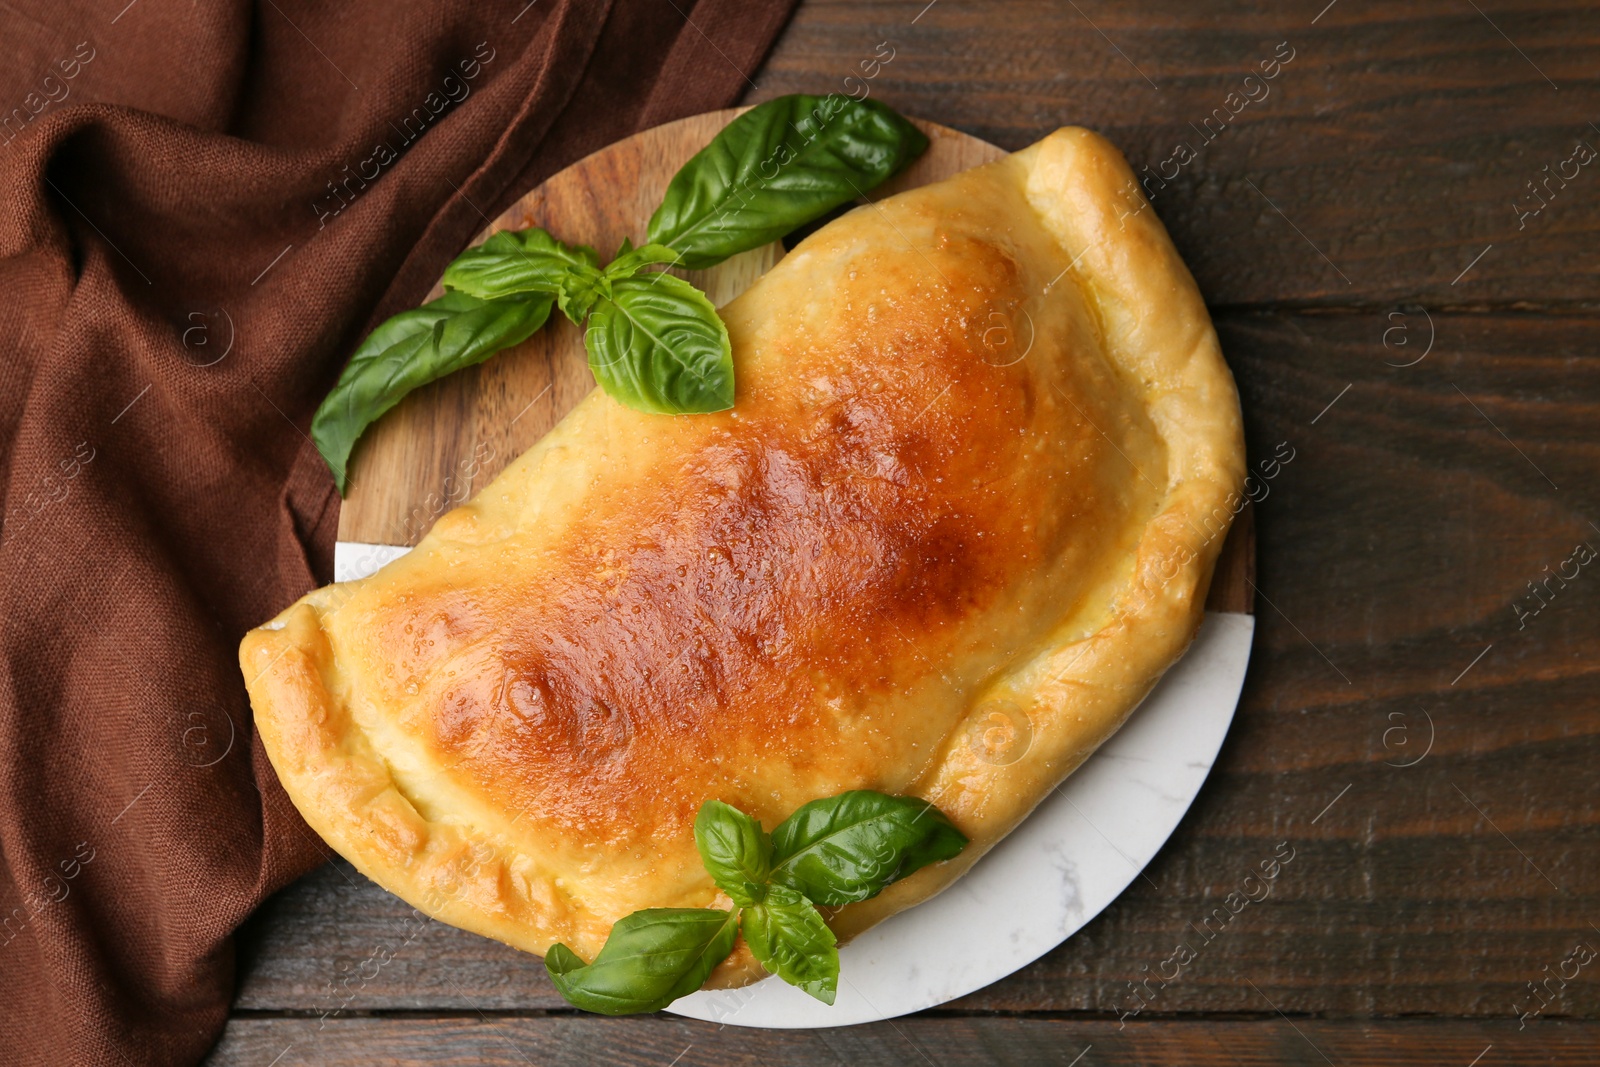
(517, 261)
(656, 344)
(410, 350)
(652, 958)
(786, 933)
(846, 848)
(631, 260)
(777, 167)
(735, 850)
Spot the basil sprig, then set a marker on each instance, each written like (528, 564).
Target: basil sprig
(830, 852)
(655, 343)
(777, 167)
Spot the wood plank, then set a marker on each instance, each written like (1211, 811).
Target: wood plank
(1398, 539)
(1384, 158)
(498, 1041)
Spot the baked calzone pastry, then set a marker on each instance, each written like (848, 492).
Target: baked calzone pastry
(961, 517)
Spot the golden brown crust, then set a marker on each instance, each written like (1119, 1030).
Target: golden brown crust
(980, 466)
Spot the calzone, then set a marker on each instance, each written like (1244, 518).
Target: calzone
(963, 514)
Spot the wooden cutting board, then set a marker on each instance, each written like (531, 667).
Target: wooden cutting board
(448, 439)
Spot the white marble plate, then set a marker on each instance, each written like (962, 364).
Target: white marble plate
(1073, 856)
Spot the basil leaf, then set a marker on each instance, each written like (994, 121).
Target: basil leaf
(849, 847)
(776, 167)
(656, 344)
(631, 260)
(410, 350)
(518, 261)
(786, 933)
(735, 850)
(652, 958)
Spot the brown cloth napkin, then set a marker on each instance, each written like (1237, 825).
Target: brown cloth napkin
(205, 209)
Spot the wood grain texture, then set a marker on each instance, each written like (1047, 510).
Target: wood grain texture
(1382, 159)
(1396, 540)
(497, 1041)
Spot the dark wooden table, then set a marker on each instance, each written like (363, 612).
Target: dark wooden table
(1397, 235)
